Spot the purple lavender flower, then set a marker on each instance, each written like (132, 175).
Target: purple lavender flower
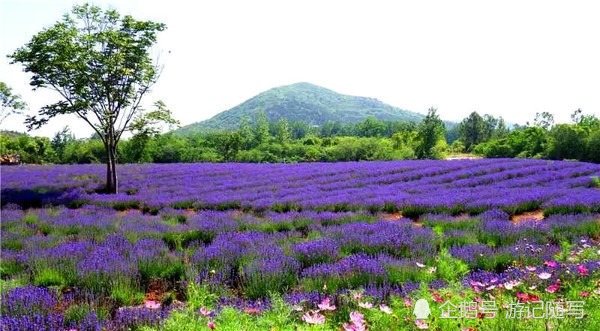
(316, 251)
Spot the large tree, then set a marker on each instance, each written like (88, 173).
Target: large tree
(100, 64)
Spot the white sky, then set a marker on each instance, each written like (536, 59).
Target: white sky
(509, 58)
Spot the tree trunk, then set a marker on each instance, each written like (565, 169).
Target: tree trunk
(111, 166)
(109, 183)
(113, 159)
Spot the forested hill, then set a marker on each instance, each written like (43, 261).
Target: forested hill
(304, 102)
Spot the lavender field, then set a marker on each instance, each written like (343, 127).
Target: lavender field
(323, 246)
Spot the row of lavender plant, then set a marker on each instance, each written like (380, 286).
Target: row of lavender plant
(413, 186)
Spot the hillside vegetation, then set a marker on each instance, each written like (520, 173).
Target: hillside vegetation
(309, 103)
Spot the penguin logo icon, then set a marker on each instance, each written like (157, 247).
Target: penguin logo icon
(422, 310)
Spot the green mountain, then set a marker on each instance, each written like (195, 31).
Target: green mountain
(305, 102)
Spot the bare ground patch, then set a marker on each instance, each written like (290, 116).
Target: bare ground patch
(537, 215)
(390, 216)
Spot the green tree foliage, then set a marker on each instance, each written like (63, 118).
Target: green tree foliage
(29, 149)
(60, 141)
(84, 151)
(99, 63)
(579, 141)
(457, 146)
(246, 133)
(355, 149)
(371, 127)
(587, 122)
(10, 103)
(283, 132)
(299, 130)
(431, 133)
(475, 129)
(594, 147)
(261, 129)
(572, 141)
(472, 130)
(501, 130)
(145, 126)
(566, 142)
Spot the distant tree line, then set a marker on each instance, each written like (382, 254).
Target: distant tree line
(281, 141)
(370, 139)
(579, 140)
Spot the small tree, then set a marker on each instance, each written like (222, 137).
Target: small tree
(567, 141)
(431, 136)
(283, 131)
(261, 128)
(501, 130)
(472, 130)
(100, 65)
(146, 126)
(60, 141)
(11, 103)
(246, 134)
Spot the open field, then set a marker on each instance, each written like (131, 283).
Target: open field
(415, 187)
(316, 246)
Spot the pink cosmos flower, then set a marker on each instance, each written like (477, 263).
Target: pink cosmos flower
(552, 288)
(204, 312)
(407, 302)
(544, 275)
(551, 264)
(210, 324)
(582, 270)
(151, 304)
(354, 327)
(532, 269)
(597, 291)
(384, 308)
(324, 305)
(357, 295)
(421, 324)
(473, 284)
(584, 294)
(366, 305)
(315, 318)
(357, 317)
